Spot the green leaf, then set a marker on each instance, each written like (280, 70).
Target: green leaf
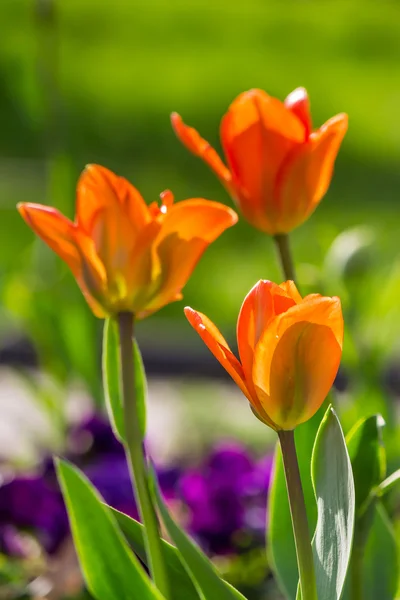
(380, 573)
(385, 486)
(112, 380)
(181, 585)
(140, 386)
(368, 458)
(280, 541)
(110, 569)
(334, 490)
(208, 583)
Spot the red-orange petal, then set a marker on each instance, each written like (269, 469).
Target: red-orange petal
(264, 301)
(187, 230)
(290, 288)
(257, 133)
(296, 360)
(217, 344)
(98, 189)
(64, 238)
(177, 259)
(198, 218)
(306, 174)
(92, 278)
(55, 230)
(200, 147)
(325, 146)
(299, 104)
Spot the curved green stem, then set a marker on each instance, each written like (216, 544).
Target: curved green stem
(285, 256)
(298, 512)
(135, 455)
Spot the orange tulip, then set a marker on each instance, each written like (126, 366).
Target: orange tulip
(279, 168)
(289, 348)
(125, 255)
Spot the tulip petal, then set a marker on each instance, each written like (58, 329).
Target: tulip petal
(200, 147)
(217, 344)
(99, 188)
(177, 258)
(257, 134)
(56, 230)
(198, 218)
(299, 104)
(325, 146)
(64, 238)
(113, 213)
(305, 176)
(186, 231)
(92, 277)
(296, 360)
(290, 288)
(263, 303)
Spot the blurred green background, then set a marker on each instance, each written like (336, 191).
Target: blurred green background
(85, 81)
(89, 81)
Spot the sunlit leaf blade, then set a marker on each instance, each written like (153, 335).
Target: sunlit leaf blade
(140, 387)
(389, 483)
(181, 585)
(334, 490)
(208, 583)
(368, 458)
(111, 380)
(280, 542)
(110, 568)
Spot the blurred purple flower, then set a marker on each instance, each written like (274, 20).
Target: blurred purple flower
(12, 542)
(224, 496)
(93, 438)
(110, 476)
(32, 503)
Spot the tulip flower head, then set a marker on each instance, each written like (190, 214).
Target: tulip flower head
(125, 255)
(289, 347)
(279, 168)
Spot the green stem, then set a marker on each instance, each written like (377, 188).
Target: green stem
(298, 512)
(285, 256)
(135, 456)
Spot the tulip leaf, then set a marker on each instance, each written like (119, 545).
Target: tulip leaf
(368, 458)
(334, 490)
(110, 568)
(380, 572)
(112, 380)
(208, 583)
(389, 483)
(181, 585)
(373, 568)
(376, 572)
(280, 542)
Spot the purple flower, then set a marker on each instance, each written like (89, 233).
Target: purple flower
(33, 504)
(111, 477)
(225, 495)
(93, 438)
(12, 542)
